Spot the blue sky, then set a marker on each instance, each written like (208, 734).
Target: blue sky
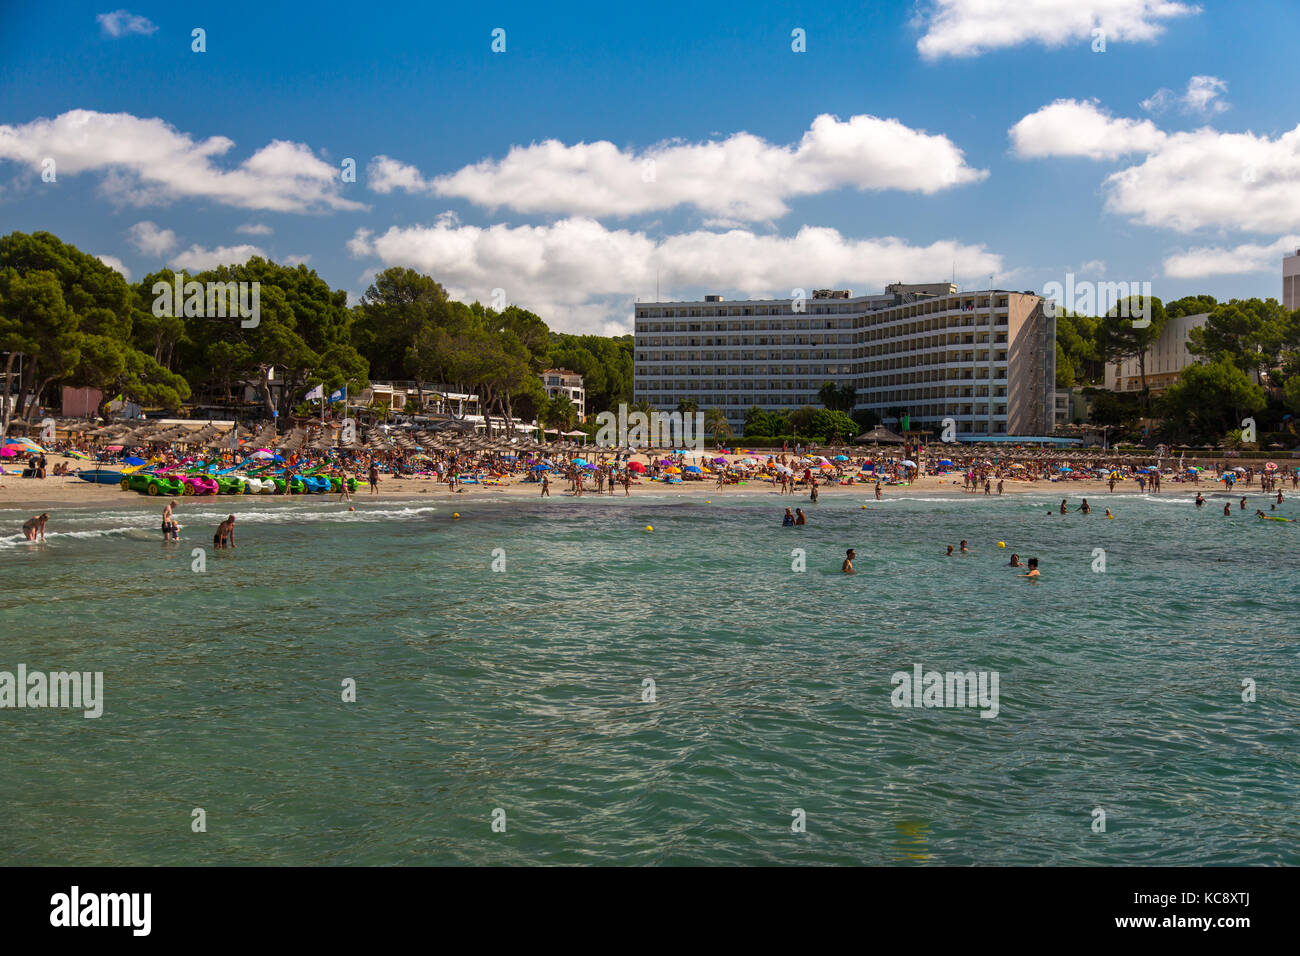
(678, 143)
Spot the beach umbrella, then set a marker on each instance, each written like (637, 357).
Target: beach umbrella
(674, 471)
(1271, 466)
(132, 460)
(947, 463)
(719, 461)
(635, 466)
(693, 469)
(846, 458)
(1239, 468)
(540, 468)
(908, 463)
(579, 462)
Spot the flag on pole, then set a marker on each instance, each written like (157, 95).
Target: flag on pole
(337, 395)
(316, 393)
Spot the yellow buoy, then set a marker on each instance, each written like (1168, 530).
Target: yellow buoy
(649, 527)
(864, 507)
(455, 514)
(1002, 544)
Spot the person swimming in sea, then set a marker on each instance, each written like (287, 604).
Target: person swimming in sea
(1227, 510)
(964, 549)
(1064, 509)
(1015, 562)
(950, 551)
(1085, 507)
(1032, 574)
(1243, 504)
(1108, 514)
(847, 566)
(1200, 500)
(799, 517)
(788, 520)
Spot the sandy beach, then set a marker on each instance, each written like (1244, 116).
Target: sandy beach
(71, 492)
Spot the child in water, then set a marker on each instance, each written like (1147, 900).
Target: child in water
(1033, 570)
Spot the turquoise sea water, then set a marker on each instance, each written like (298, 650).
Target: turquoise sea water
(521, 690)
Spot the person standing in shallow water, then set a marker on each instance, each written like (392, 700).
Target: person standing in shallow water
(847, 566)
(35, 526)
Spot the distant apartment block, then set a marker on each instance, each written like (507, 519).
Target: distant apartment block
(987, 359)
(1165, 360)
(1291, 281)
(560, 381)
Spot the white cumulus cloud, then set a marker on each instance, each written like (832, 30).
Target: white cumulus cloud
(113, 262)
(148, 161)
(1230, 261)
(742, 178)
(254, 229)
(196, 258)
(1206, 179)
(121, 22)
(1202, 97)
(581, 276)
(1081, 128)
(1199, 179)
(150, 240)
(972, 27)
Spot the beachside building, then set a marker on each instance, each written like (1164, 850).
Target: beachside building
(1291, 281)
(432, 399)
(1165, 360)
(987, 360)
(561, 381)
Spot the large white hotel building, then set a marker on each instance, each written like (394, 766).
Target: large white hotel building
(987, 360)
